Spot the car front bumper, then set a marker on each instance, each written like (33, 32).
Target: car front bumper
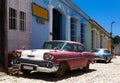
(34, 67)
(99, 58)
(39, 66)
(104, 58)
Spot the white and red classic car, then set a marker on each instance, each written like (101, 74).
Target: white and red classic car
(55, 57)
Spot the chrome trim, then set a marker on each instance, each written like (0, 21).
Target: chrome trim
(15, 66)
(41, 69)
(71, 58)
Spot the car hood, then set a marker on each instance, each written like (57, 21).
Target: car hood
(36, 54)
(98, 54)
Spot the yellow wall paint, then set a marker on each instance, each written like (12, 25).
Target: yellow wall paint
(39, 11)
(109, 44)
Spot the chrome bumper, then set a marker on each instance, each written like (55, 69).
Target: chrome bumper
(37, 68)
(102, 58)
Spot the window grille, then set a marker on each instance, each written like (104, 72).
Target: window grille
(22, 21)
(12, 18)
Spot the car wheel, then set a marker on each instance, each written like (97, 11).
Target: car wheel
(106, 60)
(86, 68)
(61, 70)
(26, 72)
(95, 61)
(110, 60)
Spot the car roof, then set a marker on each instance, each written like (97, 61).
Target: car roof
(66, 41)
(101, 49)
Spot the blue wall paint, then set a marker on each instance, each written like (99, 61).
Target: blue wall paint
(40, 32)
(41, 3)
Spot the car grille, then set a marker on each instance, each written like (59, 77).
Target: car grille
(39, 63)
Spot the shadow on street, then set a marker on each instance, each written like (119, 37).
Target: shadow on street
(51, 76)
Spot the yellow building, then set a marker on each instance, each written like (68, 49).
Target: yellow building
(100, 38)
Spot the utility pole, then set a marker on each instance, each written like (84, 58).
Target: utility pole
(111, 33)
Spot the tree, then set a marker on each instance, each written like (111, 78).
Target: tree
(115, 41)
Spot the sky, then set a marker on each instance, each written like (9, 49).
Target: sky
(104, 12)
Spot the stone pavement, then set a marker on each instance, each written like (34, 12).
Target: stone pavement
(2, 72)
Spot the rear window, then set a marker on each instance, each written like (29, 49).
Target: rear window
(106, 51)
(97, 50)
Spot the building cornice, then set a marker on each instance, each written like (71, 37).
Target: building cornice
(97, 26)
(71, 5)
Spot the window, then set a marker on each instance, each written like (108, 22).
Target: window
(81, 48)
(92, 39)
(52, 45)
(12, 18)
(22, 21)
(83, 33)
(101, 41)
(73, 29)
(68, 47)
(75, 48)
(97, 40)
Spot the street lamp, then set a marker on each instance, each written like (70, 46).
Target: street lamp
(111, 27)
(111, 33)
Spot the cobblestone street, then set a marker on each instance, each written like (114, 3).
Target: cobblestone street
(99, 73)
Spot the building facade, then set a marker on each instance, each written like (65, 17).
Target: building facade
(100, 38)
(28, 23)
(117, 50)
(61, 20)
(18, 24)
(15, 26)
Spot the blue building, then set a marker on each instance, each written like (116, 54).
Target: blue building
(58, 20)
(28, 23)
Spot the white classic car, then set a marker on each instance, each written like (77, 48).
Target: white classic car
(55, 56)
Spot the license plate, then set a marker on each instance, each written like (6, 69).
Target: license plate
(28, 67)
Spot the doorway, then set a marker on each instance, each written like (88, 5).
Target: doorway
(57, 22)
(2, 33)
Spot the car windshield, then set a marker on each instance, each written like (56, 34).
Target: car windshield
(96, 50)
(52, 45)
(63, 46)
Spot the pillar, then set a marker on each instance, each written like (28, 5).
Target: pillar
(68, 25)
(50, 21)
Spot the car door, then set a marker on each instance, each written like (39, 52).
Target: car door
(83, 59)
(77, 60)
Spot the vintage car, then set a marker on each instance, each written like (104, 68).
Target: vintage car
(102, 54)
(56, 56)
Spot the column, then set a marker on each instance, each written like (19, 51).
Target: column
(68, 25)
(50, 21)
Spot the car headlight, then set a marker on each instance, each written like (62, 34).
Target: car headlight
(48, 56)
(16, 54)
